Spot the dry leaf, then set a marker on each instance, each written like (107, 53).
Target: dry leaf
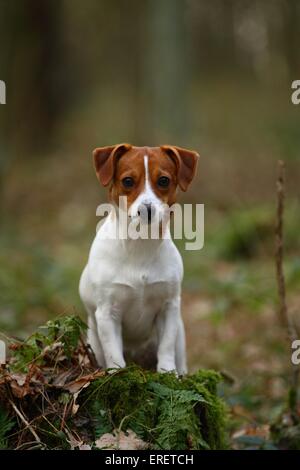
(76, 385)
(75, 443)
(121, 441)
(85, 447)
(260, 431)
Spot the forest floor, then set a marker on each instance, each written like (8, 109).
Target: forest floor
(230, 305)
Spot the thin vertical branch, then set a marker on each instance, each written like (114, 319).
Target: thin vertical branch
(284, 316)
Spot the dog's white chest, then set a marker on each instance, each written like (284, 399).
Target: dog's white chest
(134, 285)
(138, 300)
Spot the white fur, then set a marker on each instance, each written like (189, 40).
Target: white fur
(148, 196)
(131, 290)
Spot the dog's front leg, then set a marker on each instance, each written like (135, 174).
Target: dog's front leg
(168, 322)
(110, 334)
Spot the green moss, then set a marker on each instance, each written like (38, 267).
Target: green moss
(165, 411)
(168, 412)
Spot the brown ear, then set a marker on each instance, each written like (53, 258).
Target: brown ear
(186, 162)
(105, 159)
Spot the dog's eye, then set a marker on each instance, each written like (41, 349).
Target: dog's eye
(163, 182)
(128, 182)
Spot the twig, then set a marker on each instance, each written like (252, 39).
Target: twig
(63, 419)
(33, 444)
(90, 353)
(283, 314)
(25, 421)
(284, 317)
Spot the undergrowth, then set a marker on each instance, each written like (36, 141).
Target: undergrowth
(51, 384)
(6, 424)
(64, 332)
(168, 412)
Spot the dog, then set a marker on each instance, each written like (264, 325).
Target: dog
(131, 288)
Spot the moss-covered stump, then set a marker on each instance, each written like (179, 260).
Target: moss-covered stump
(167, 412)
(53, 397)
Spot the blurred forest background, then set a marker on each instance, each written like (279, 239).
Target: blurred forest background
(214, 76)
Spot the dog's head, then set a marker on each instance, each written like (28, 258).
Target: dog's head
(147, 176)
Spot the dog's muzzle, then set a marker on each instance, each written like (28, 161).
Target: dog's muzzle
(147, 213)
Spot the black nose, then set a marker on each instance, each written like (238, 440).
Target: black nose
(147, 212)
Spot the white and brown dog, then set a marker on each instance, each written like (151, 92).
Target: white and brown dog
(131, 288)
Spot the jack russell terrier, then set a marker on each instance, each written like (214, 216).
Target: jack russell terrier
(131, 288)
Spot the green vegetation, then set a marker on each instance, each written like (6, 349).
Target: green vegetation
(50, 378)
(169, 413)
(229, 305)
(6, 425)
(65, 332)
(213, 76)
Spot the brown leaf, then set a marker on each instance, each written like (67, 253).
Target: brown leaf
(23, 384)
(63, 377)
(78, 384)
(84, 447)
(260, 431)
(75, 406)
(19, 392)
(121, 441)
(20, 379)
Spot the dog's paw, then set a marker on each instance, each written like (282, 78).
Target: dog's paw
(114, 367)
(113, 370)
(164, 368)
(182, 371)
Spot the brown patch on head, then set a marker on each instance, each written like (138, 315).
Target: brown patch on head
(161, 165)
(105, 161)
(130, 166)
(186, 163)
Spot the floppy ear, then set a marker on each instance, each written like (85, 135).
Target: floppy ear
(105, 159)
(186, 162)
